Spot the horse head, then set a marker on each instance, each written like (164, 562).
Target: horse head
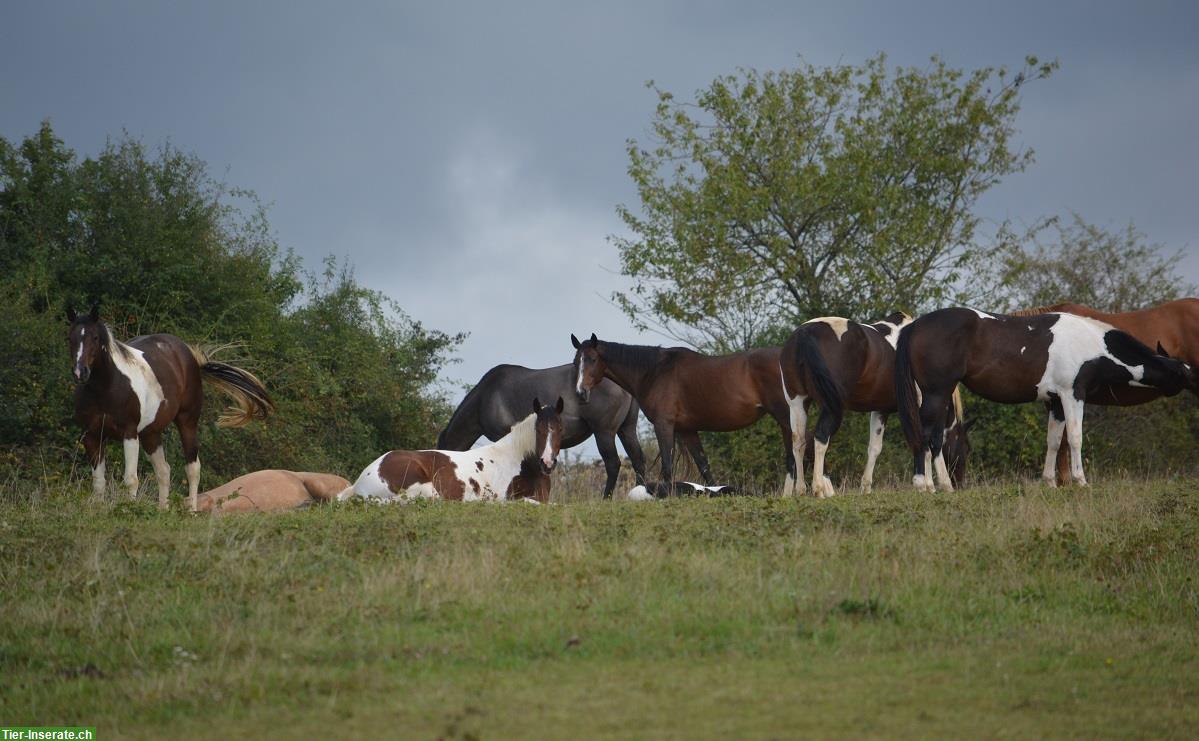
(589, 366)
(87, 341)
(549, 433)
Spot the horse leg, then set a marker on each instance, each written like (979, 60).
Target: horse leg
(1063, 459)
(788, 460)
(152, 442)
(606, 443)
(1074, 409)
(187, 427)
(131, 450)
(797, 408)
(1053, 441)
(826, 426)
(93, 443)
(632, 447)
(878, 423)
(932, 422)
(696, 449)
(665, 435)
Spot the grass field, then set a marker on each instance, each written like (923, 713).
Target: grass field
(1002, 611)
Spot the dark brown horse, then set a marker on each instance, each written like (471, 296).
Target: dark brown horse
(133, 391)
(682, 393)
(1063, 360)
(846, 365)
(1174, 326)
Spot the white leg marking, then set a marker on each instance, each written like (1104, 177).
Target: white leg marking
(799, 432)
(924, 482)
(872, 450)
(943, 479)
(822, 486)
(1074, 410)
(162, 472)
(789, 485)
(193, 483)
(99, 476)
(132, 446)
(1053, 441)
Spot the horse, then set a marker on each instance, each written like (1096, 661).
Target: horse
(510, 468)
(131, 391)
(271, 490)
(494, 405)
(1174, 325)
(683, 392)
(1060, 359)
(843, 364)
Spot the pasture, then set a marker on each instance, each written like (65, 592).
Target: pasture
(1002, 610)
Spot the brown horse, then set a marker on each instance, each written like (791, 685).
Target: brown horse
(271, 491)
(133, 391)
(843, 364)
(1174, 326)
(683, 393)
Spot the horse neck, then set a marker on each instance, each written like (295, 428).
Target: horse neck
(104, 370)
(520, 442)
(624, 371)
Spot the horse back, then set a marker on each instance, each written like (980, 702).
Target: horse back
(177, 372)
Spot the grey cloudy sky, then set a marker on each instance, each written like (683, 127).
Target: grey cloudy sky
(467, 157)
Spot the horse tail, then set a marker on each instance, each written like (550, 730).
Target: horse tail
(249, 395)
(825, 387)
(958, 413)
(906, 402)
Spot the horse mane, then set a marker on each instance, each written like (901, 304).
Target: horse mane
(637, 356)
(522, 438)
(1038, 310)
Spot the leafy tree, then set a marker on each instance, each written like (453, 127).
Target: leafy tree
(779, 196)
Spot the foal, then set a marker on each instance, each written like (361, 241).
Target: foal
(517, 466)
(132, 391)
(1060, 359)
(843, 364)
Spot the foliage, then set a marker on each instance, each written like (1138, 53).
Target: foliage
(165, 248)
(779, 196)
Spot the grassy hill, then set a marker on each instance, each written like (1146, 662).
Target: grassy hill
(1006, 610)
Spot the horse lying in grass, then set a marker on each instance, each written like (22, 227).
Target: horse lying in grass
(846, 365)
(499, 398)
(1173, 325)
(131, 391)
(517, 466)
(682, 393)
(1060, 359)
(270, 491)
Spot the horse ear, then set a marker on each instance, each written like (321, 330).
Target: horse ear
(574, 341)
(594, 340)
(560, 405)
(71, 315)
(95, 315)
(536, 405)
(1162, 351)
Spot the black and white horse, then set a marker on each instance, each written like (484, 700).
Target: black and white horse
(1059, 359)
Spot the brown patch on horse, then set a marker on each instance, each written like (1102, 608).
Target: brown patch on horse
(530, 483)
(479, 465)
(401, 469)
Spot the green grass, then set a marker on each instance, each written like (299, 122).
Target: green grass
(998, 611)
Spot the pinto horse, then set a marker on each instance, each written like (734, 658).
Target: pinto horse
(683, 392)
(517, 466)
(131, 391)
(1061, 359)
(1173, 325)
(843, 364)
(493, 406)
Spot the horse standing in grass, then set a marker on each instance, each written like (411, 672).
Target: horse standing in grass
(1174, 326)
(843, 364)
(495, 404)
(1061, 359)
(683, 392)
(132, 391)
(517, 466)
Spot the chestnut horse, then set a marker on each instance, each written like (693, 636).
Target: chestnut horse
(843, 364)
(682, 393)
(1173, 325)
(517, 466)
(1061, 359)
(133, 391)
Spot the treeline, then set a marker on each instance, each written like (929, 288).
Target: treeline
(164, 247)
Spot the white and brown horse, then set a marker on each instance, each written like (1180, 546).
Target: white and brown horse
(132, 391)
(1060, 359)
(846, 365)
(516, 466)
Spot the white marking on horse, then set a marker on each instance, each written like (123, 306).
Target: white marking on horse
(640, 494)
(1022, 349)
(131, 363)
(838, 324)
(579, 382)
(798, 420)
(1075, 341)
(983, 314)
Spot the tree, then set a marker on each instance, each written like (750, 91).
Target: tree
(780, 196)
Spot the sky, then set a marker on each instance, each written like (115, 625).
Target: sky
(468, 158)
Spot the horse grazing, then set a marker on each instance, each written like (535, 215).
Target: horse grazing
(495, 404)
(843, 364)
(1173, 325)
(1060, 359)
(683, 392)
(511, 468)
(131, 391)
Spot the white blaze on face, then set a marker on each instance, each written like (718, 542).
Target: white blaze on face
(79, 353)
(579, 382)
(547, 455)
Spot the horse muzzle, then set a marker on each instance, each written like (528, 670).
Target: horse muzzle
(82, 374)
(546, 469)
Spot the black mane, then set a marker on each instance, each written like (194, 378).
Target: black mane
(636, 356)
